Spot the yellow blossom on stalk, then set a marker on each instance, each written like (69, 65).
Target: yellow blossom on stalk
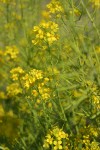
(77, 93)
(11, 52)
(45, 96)
(51, 38)
(16, 73)
(93, 131)
(91, 85)
(49, 139)
(53, 70)
(95, 146)
(38, 101)
(55, 138)
(44, 92)
(38, 74)
(86, 139)
(96, 101)
(34, 93)
(45, 33)
(59, 133)
(46, 14)
(24, 107)
(13, 89)
(55, 8)
(49, 105)
(58, 145)
(75, 11)
(46, 144)
(46, 80)
(30, 78)
(96, 3)
(25, 80)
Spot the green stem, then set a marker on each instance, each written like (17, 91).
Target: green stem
(91, 19)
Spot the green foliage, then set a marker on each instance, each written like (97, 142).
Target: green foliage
(50, 75)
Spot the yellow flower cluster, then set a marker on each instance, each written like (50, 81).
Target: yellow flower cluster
(96, 101)
(43, 91)
(13, 90)
(57, 138)
(86, 140)
(92, 86)
(53, 70)
(75, 11)
(77, 94)
(94, 146)
(31, 77)
(88, 145)
(37, 82)
(11, 52)
(96, 3)
(16, 73)
(95, 95)
(93, 131)
(34, 82)
(55, 7)
(45, 33)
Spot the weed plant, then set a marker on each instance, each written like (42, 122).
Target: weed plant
(49, 75)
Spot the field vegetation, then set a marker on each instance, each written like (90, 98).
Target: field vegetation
(49, 75)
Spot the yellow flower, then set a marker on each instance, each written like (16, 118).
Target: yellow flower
(46, 144)
(45, 96)
(46, 80)
(57, 145)
(75, 11)
(45, 33)
(35, 93)
(55, 137)
(16, 73)
(77, 94)
(55, 7)
(50, 105)
(12, 52)
(46, 14)
(94, 146)
(96, 3)
(38, 101)
(49, 139)
(13, 89)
